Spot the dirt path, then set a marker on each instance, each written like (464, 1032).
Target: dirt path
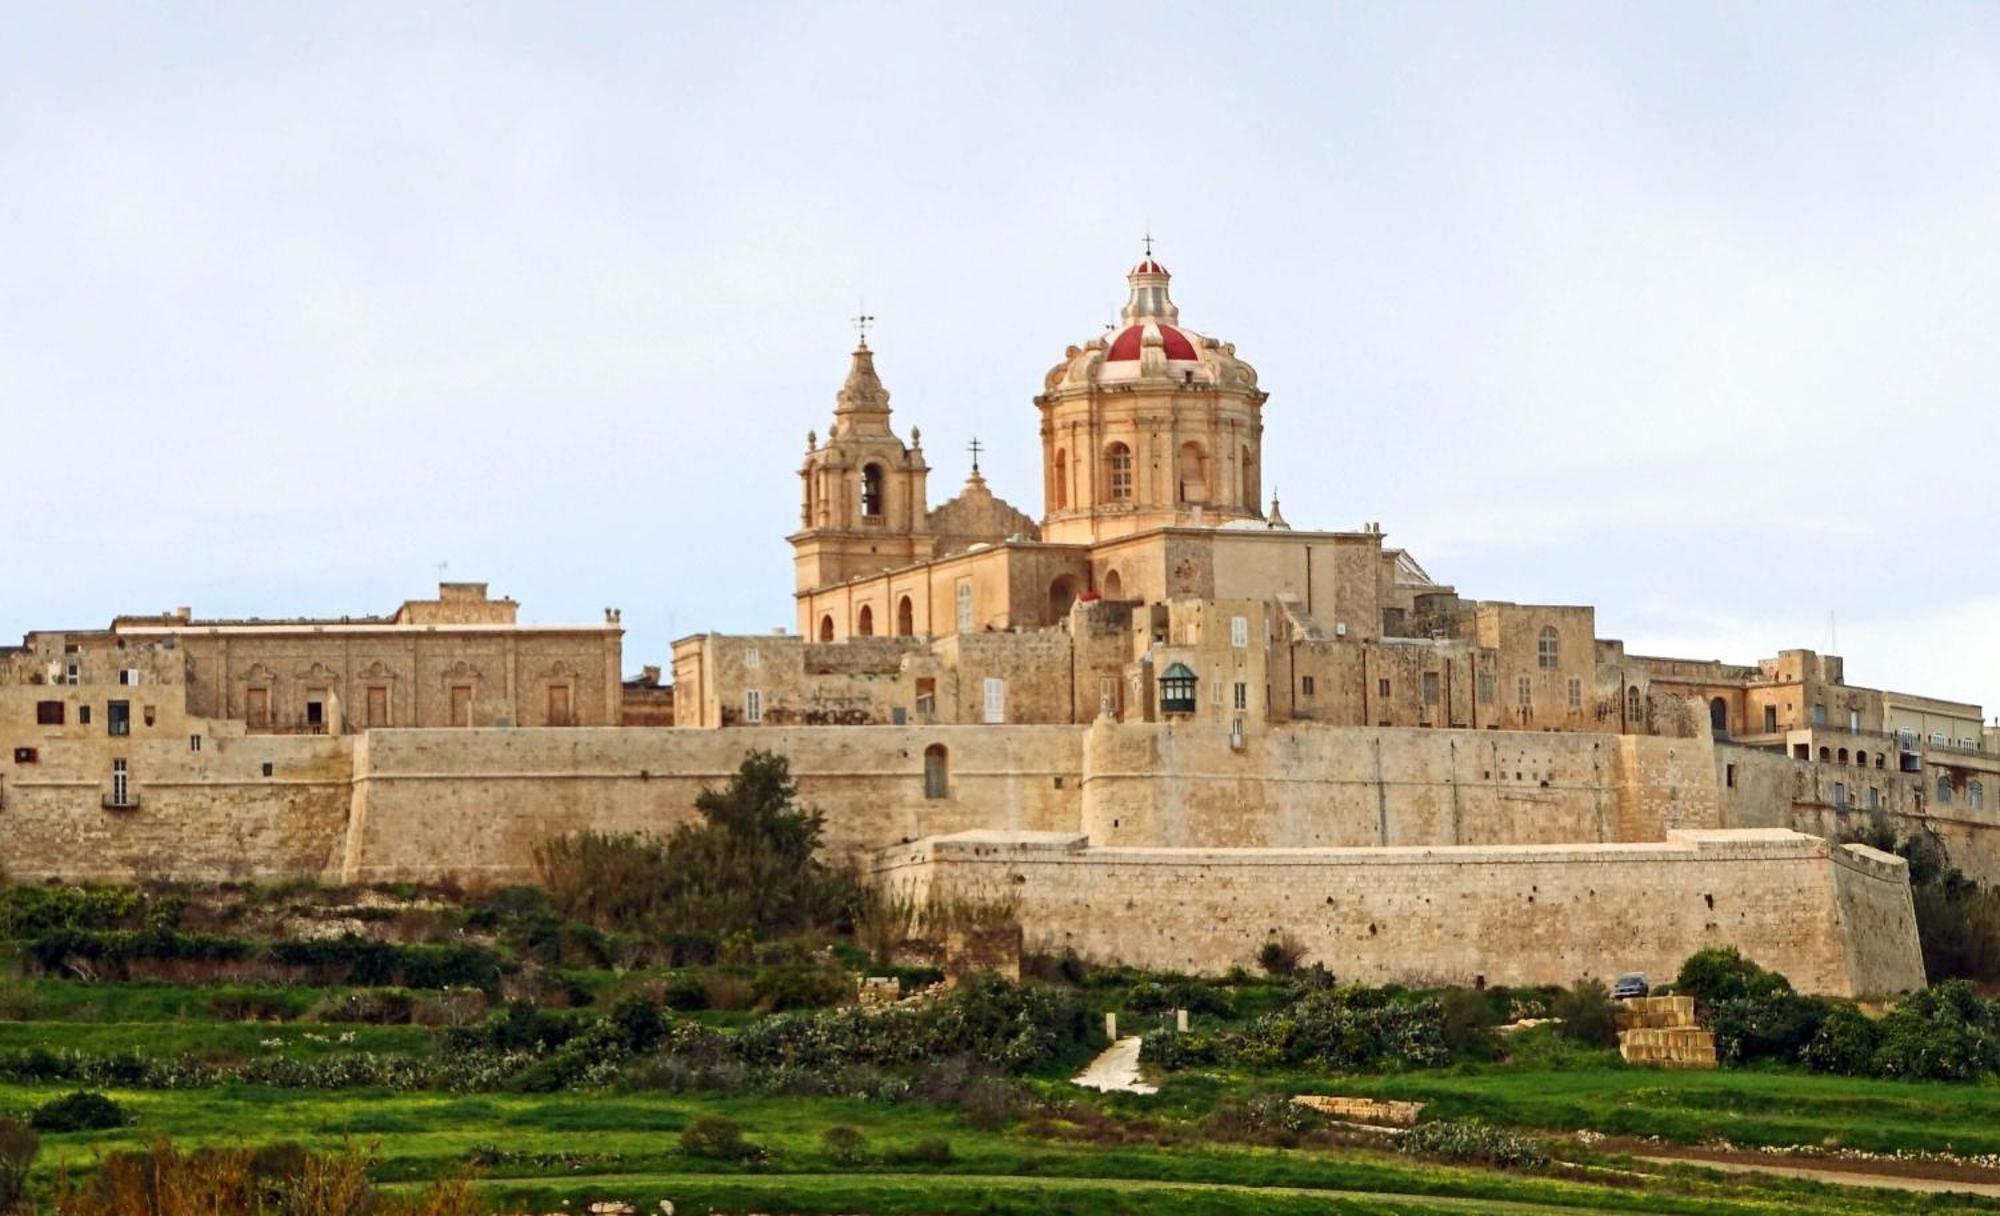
(1116, 1070)
(1838, 1177)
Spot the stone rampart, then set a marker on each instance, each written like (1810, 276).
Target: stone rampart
(1834, 920)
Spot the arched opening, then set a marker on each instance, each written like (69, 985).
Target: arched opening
(826, 628)
(864, 621)
(1861, 759)
(1880, 759)
(1060, 491)
(1548, 649)
(1635, 705)
(1841, 755)
(1062, 593)
(1193, 471)
(1114, 587)
(871, 489)
(906, 618)
(1177, 690)
(1718, 716)
(1944, 791)
(1825, 754)
(1975, 795)
(1118, 473)
(937, 772)
(1249, 486)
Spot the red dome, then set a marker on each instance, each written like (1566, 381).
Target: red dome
(1148, 266)
(1126, 345)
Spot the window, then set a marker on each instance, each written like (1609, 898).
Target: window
(1177, 690)
(1487, 692)
(128, 675)
(1306, 685)
(1729, 775)
(1819, 715)
(753, 705)
(1840, 794)
(1938, 738)
(996, 699)
(1241, 695)
(73, 674)
(118, 717)
(906, 618)
(937, 777)
(1975, 795)
(83, 715)
(750, 658)
(266, 768)
(1547, 649)
(1524, 692)
(316, 711)
(1944, 791)
(926, 695)
(1575, 693)
(1118, 472)
(1874, 797)
(1061, 487)
(48, 713)
(1854, 721)
(965, 605)
(121, 784)
(826, 628)
(1635, 705)
(1382, 688)
(1770, 719)
(25, 755)
(864, 621)
(1906, 738)
(1861, 759)
(378, 705)
(1430, 685)
(1239, 632)
(1841, 755)
(194, 743)
(871, 489)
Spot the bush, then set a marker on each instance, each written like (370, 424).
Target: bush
(1845, 1043)
(1281, 955)
(846, 1145)
(1179, 992)
(1776, 1026)
(372, 1006)
(684, 993)
(928, 1151)
(1943, 1033)
(1721, 973)
(799, 986)
(717, 1137)
(1473, 1143)
(1585, 1010)
(18, 1144)
(81, 1111)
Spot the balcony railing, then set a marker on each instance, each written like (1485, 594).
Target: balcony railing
(113, 802)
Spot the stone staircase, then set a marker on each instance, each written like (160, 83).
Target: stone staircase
(1661, 1031)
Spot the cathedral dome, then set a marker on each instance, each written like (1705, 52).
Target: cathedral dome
(1150, 344)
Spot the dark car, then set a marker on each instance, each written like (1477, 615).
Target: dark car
(1629, 985)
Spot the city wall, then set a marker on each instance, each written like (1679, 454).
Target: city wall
(1834, 919)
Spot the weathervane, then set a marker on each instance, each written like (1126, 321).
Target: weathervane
(975, 447)
(862, 320)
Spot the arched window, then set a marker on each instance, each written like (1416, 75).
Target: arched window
(826, 628)
(1548, 649)
(1635, 705)
(1842, 754)
(864, 622)
(1114, 587)
(871, 489)
(1118, 473)
(1861, 759)
(1718, 716)
(1825, 755)
(1193, 473)
(1061, 488)
(906, 618)
(1249, 486)
(1177, 690)
(1062, 593)
(1943, 790)
(1975, 795)
(937, 772)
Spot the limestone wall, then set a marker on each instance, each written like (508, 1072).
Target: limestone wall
(475, 802)
(1516, 915)
(1308, 786)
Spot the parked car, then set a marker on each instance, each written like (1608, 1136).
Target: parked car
(1629, 985)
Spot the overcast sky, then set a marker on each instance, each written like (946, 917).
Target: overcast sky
(1686, 312)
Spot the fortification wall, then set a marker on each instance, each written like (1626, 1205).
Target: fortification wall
(1312, 786)
(1515, 915)
(433, 802)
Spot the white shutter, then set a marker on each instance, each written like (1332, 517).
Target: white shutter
(996, 699)
(1239, 632)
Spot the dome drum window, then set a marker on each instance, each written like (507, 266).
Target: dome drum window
(1177, 690)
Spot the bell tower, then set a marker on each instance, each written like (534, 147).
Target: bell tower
(1149, 425)
(862, 504)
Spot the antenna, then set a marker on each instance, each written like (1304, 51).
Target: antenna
(441, 567)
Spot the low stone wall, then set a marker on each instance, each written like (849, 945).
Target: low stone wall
(1834, 920)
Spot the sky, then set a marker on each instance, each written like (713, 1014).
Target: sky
(1687, 311)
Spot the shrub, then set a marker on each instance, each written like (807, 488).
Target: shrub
(18, 1144)
(1350, 1030)
(639, 1023)
(1721, 973)
(1845, 1043)
(684, 993)
(716, 1136)
(1774, 1026)
(372, 1006)
(1474, 1143)
(1585, 1010)
(1179, 992)
(799, 986)
(1943, 1033)
(81, 1111)
(929, 1151)
(1468, 1017)
(1281, 955)
(846, 1145)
